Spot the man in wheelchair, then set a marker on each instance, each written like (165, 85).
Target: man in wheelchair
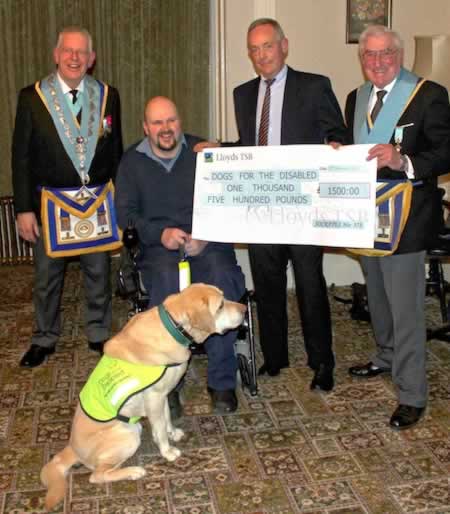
(154, 193)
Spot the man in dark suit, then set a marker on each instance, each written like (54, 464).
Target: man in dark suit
(302, 110)
(409, 124)
(56, 145)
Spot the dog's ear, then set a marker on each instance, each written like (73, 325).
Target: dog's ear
(201, 317)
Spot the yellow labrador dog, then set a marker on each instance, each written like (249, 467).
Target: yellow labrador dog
(154, 343)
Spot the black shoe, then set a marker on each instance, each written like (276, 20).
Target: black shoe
(367, 370)
(223, 401)
(405, 416)
(272, 372)
(176, 409)
(96, 347)
(323, 378)
(35, 356)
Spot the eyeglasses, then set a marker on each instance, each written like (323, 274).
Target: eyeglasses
(73, 52)
(383, 55)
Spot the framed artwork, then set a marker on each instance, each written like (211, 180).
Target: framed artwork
(361, 13)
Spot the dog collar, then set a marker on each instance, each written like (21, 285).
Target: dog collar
(174, 329)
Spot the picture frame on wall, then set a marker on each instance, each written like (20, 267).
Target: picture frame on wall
(362, 13)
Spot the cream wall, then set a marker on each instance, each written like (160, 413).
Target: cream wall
(316, 33)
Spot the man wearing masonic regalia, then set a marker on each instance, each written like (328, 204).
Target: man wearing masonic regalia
(67, 136)
(407, 120)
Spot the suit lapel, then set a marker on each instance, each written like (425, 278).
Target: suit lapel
(289, 115)
(252, 105)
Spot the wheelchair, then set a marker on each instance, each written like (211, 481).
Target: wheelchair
(245, 346)
(129, 283)
(130, 287)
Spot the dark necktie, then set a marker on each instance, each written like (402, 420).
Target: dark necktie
(265, 114)
(74, 93)
(378, 105)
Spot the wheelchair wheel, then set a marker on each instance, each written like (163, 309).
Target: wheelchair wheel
(245, 371)
(245, 347)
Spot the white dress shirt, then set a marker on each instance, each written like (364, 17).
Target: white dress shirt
(276, 106)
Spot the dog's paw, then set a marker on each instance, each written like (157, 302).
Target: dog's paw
(136, 472)
(176, 434)
(171, 453)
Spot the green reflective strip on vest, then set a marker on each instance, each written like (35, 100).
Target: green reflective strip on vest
(112, 383)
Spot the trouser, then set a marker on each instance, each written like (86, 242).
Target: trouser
(47, 293)
(396, 295)
(269, 268)
(217, 266)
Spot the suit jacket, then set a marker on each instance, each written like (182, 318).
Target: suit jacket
(311, 113)
(427, 144)
(39, 158)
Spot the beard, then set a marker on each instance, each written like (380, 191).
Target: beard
(166, 147)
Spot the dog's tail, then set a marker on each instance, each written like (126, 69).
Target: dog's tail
(53, 476)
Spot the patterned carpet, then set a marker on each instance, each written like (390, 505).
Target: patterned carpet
(289, 450)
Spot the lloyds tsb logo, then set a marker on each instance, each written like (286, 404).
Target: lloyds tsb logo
(209, 157)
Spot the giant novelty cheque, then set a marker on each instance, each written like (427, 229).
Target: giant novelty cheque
(299, 194)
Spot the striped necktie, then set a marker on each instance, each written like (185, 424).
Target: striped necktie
(265, 115)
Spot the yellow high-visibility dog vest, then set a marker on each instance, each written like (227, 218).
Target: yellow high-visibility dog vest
(112, 383)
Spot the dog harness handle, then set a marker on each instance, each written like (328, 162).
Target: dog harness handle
(184, 269)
